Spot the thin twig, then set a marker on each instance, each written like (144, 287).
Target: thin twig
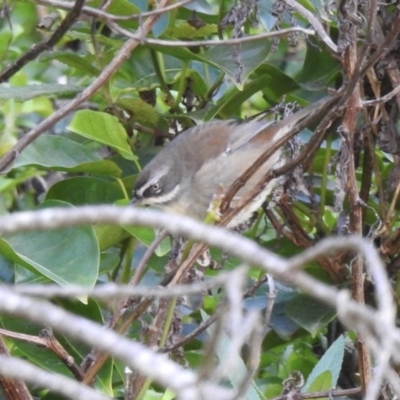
(178, 225)
(110, 291)
(382, 99)
(146, 257)
(196, 43)
(48, 340)
(22, 370)
(47, 44)
(182, 381)
(100, 14)
(12, 389)
(315, 23)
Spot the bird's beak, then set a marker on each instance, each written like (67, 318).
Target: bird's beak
(135, 200)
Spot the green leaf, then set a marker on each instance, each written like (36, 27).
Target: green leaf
(67, 256)
(179, 53)
(231, 103)
(103, 128)
(265, 15)
(142, 233)
(281, 323)
(251, 55)
(143, 113)
(183, 29)
(276, 83)
(325, 374)
(123, 7)
(168, 395)
(108, 262)
(161, 25)
(319, 67)
(202, 7)
(73, 60)
(85, 190)
(309, 313)
(109, 235)
(321, 383)
(273, 83)
(141, 64)
(28, 92)
(52, 152)
(146, 236)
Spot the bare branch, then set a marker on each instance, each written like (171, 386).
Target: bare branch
(13, 389)
(110, 291)
(179, 225)
(195, 43)
(146, 257)
(382, 99)
(22, 370)
(100, 14)
(319, 29)
(169, 374)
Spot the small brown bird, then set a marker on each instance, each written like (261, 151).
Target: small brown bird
(187, 173)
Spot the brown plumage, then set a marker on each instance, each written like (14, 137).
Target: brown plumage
(186, 174)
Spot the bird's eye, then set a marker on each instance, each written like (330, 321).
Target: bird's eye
(155, 187)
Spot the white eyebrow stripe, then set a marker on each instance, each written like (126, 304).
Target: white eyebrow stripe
(162, 199)
(162, 172)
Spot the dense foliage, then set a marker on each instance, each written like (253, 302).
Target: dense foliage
(342, 180)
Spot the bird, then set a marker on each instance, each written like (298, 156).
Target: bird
(187, 173)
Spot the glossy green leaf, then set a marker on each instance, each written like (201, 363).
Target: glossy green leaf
(321, 383)
(52, 152)
(103, 128)
(179, 53)
(281, 323)
(202, 7)
(319, 68)
(144, 234)
(85, 190)
(272, 82)
(147, 235)
(143, 113)
(141, 65)
(267, 19)
(251, 55)
(276, 83)
(168, 395)
(108, 262)
(109, 235)
(187, 31)
(161, 25)
(66, 256)
(309, 313)
(73, 60)
(124, 7)
(325, 374)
